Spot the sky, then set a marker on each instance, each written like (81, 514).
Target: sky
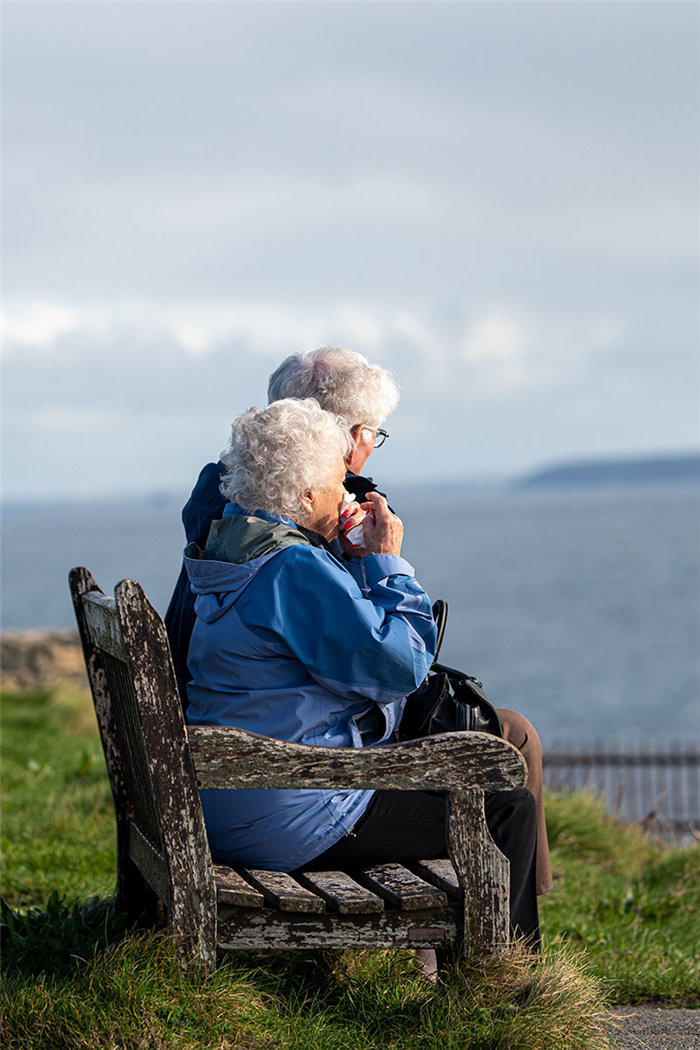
(497, 201)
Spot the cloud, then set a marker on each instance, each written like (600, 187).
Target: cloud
(139, 401)
(37, 325)
(141, 359)
(498, 202)
(510, 354)
(81, 421)
(208, 152)
(497, 344)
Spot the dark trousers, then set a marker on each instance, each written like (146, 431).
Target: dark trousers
(408, 826)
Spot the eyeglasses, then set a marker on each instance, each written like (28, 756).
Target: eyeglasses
(380, 435)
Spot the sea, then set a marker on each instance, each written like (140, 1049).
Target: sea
(579, 607)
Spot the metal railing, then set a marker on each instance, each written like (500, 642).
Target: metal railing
(654, 783)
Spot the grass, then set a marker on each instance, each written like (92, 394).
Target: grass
(57, 829)
(136, 996)
(621, 925)
(629, 901)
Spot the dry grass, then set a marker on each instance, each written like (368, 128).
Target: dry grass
(134, 996)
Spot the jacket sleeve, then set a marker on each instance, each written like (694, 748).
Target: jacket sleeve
(206, 504)
(377, 645)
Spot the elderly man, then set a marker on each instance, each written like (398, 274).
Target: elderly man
(342, 382)
(364, 395)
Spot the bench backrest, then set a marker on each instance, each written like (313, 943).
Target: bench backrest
(160, 826)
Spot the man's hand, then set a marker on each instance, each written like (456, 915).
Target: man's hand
(383, 531)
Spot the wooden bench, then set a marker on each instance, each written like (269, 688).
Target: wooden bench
(157, 764)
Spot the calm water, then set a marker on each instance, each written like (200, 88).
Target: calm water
(582, 609)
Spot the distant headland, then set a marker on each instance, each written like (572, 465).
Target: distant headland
(649, 470)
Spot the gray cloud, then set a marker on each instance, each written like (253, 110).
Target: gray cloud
(498, 200)
(117, 405)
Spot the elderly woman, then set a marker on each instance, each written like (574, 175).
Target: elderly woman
(293, 643)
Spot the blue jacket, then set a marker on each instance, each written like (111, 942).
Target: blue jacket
(292, 644)
(206, 504)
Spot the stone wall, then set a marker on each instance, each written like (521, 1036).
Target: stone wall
(39, 659)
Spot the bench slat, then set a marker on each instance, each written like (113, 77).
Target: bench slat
(227, 757)
(402, 888)
(283, 891)
(267, 929)
(150, 862)
(440, 872)
(232, 889)
(342, 892)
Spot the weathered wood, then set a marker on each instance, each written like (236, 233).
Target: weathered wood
(341, 892)
(440, 872)
(226, 757)
(150, 862)
(483, 872)
(162, 846)
(232, 889)
(192, 903)
(134, 895)
(137, 771)
(402, 888)
(103, 626)
(268, 928)
(283, 891)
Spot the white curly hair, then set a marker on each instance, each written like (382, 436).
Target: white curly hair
(342, 381)
(279, 452)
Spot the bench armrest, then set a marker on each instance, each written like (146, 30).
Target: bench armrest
(226, 757)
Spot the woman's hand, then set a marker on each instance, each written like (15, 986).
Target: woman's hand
(352, 516)
(383, 531)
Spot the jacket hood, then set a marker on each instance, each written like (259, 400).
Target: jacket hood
(236, 549)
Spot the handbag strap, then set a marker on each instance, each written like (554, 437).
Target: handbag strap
(440, 617)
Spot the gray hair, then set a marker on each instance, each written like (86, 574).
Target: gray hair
(342, 381)
(279, 452)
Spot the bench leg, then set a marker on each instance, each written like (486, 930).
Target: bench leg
(133, 894)
(483, 873)
(193, 927)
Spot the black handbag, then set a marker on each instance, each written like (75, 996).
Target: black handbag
(448, 700)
